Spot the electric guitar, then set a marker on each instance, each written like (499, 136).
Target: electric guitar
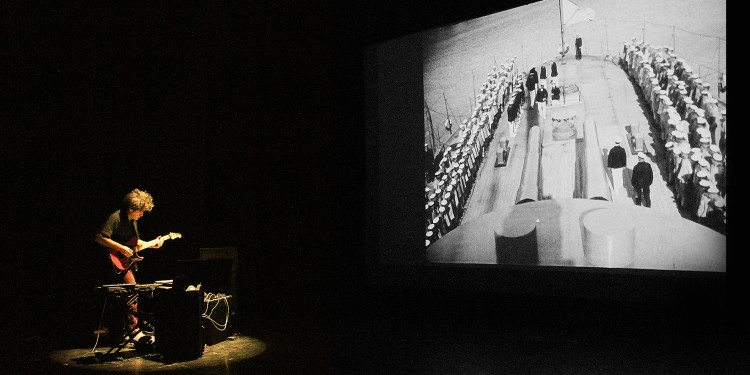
(123, 262)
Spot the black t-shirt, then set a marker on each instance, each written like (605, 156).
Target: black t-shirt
(541, 95)
(617, 157)
(119, 228)
(642, 175)
(555, 93)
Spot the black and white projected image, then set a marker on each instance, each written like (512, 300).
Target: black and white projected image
(583, 133)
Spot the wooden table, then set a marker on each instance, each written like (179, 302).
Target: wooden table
(661, 242)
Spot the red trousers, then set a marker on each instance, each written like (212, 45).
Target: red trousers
(132, 303)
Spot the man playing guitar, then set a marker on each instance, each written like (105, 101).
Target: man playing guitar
(121, 228)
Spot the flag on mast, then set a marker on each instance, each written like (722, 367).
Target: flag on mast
(573, 14)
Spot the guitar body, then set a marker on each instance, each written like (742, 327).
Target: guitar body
(123, 263)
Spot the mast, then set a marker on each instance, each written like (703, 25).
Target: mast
(562, 32)
(432, 131)
(447, 116)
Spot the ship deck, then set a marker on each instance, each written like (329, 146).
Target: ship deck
(612, 102)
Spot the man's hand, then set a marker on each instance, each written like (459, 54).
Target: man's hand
(126, 251)
(158, 242)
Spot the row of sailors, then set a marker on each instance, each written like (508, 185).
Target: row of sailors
(460, 162)
(668, 81)
(699, 177)
(687, 118)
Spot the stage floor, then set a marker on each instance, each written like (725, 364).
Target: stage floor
(220, 358)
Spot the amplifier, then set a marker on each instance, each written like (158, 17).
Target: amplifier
(178, 334)
(217, 318)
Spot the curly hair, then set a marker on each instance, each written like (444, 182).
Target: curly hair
(138, 200)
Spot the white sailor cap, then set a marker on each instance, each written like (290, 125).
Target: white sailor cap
(700, 111)
(713, 189)
(618, 140)
(676, 151)
(702, 161)
(705, 183)
(684, 123)
(687, 101)
(707, 85)
(705, 92)
(688, 68)
(723, 112)
(717, 156)
(681, 83)
(676, 133)
(696, 157)
(670, 72)
(702, 174)
(680, 60)
(693, 107)
(641, 155)
(701, 120)
(673, 120)
(683, 91)
(715, 148)
(697, 80)
(695, 150)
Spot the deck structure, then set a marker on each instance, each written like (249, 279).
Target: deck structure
(611, 102)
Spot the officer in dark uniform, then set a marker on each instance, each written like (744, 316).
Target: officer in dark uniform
(641, 180)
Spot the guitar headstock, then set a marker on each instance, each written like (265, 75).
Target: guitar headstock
(173, 235)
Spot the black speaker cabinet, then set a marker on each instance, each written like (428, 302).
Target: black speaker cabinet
(178, 333)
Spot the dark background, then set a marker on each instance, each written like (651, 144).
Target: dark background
(245, 122)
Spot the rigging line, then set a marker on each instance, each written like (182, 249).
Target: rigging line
(692, 32)
(674, 26)
(445, 114)
(458, 119)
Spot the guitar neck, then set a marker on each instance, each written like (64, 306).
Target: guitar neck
(153, 242)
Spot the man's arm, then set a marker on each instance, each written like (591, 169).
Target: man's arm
(150, 244)
(110, 244)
